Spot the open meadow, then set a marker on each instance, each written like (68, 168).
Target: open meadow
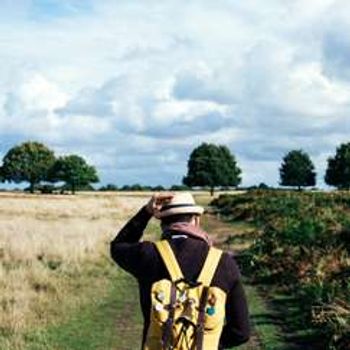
(54, 262)
(60, 290)
(53, 254)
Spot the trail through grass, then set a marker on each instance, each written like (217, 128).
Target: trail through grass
(114, 322)
(111, 323)
(236, 237)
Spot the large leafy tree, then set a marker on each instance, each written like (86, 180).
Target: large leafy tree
(212, 165)
(297, 170)
(74, 171)
(338, 170)
(29, 162)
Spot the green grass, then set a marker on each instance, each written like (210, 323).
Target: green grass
(112, 322)
(267, 332)
(112, 319)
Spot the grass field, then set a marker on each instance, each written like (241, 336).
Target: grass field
(59, 289)
(53, 253)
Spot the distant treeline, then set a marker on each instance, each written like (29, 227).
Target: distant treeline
(215, 167)
(138, 187)
(209, 167)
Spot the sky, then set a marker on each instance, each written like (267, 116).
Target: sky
(135, 86)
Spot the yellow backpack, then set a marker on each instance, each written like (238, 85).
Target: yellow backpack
(186, 315)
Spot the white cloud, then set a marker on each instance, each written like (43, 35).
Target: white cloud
(34, 94)
(135, 86)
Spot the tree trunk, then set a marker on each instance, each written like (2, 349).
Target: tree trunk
(31, 187)
(73, 188)
(212, 191)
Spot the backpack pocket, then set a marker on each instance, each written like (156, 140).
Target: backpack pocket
(160, 300)
(215, 309)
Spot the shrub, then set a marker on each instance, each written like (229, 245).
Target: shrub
(304, 247)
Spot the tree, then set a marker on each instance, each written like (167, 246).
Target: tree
(211, 165)
(297, 170)
(338, 170)
(29, 162)
(179, 188)
(109, 187)
(74, 171)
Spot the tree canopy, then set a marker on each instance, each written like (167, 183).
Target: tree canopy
(338, 170)
(212, 165)
(297, 170)
(30, 161)
(74, 171)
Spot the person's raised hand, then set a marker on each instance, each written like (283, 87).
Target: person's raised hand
(157, 201)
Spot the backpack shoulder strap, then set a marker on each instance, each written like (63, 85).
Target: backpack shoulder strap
(210, 265)
(169, 259)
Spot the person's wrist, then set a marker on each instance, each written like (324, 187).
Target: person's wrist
(148, 210)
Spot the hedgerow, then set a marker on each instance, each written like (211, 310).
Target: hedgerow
(303, 245)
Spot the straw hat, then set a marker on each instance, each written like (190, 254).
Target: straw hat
(181, 203)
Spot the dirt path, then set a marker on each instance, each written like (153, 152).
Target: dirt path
(115, 323)
(222, 234)
(227, 236)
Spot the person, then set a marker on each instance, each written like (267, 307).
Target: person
(180, 223)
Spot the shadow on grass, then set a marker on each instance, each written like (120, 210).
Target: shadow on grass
(288, 314)
(278, 321)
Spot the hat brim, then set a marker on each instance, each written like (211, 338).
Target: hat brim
(196, 209)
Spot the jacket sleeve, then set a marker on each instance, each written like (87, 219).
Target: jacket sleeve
(237, 329)
(126, 250)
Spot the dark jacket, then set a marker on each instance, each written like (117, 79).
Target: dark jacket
(143, 261)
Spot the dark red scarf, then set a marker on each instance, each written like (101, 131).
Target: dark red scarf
(188, 230)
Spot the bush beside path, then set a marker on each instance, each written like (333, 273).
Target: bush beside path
(236, 237)
(299, 260)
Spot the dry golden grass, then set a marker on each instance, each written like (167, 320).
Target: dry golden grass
(52, 249)
(54, 255)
